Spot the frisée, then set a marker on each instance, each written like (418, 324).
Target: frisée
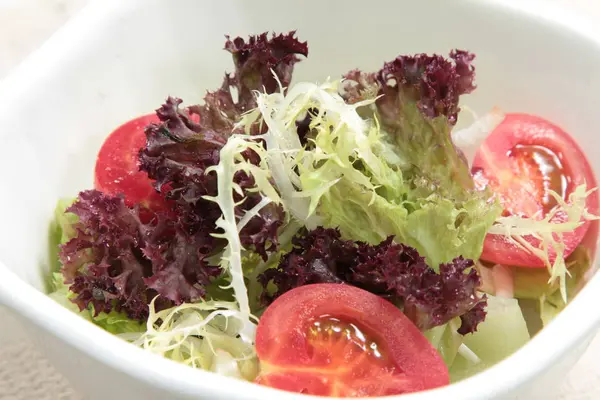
(336, 238)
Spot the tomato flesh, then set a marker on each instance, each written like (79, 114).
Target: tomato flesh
(117, 166)
(521, 161)
(338, 340)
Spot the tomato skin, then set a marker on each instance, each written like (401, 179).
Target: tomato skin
(117, 166)
(288, 360)
(524, 129)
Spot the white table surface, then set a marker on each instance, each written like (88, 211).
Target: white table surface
(24, 373)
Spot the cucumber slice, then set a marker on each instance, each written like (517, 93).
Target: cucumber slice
(446, 340)
(502, 333)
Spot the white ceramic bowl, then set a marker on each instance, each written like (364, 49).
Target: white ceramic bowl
(119, 59)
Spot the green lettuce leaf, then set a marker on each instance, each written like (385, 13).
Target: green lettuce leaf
(414, 102)
(60, 231)
(437, 227)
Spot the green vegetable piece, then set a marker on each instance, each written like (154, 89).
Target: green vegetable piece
(65, 220)
(503, 332)
(59, 232)
(533, 284)
(579, 264)
(446, 340)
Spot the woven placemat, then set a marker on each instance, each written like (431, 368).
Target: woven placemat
(26, 375)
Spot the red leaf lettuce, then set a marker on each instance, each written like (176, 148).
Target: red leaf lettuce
(116, 261)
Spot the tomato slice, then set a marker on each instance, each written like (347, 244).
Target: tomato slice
(338, 340)
(117, 166)
(521, 161)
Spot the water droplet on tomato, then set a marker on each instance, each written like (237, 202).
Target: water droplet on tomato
(547, 166)
(347, 336)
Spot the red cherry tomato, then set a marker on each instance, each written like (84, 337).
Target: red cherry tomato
(521, 160)
(339, 340)
(117, 166)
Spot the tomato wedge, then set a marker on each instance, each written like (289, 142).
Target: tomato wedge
(521, 161)
(117, 166)
(338, 340)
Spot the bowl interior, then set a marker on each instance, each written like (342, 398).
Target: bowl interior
(52, 128)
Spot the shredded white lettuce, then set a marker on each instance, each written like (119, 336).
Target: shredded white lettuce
(283, 146)
(231, 162)
(202, 335)
(468, 354)
(341, 137)
(548, 232)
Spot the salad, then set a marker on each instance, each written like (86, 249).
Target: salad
(341, 238)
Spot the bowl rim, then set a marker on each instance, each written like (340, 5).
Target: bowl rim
(569, 328)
